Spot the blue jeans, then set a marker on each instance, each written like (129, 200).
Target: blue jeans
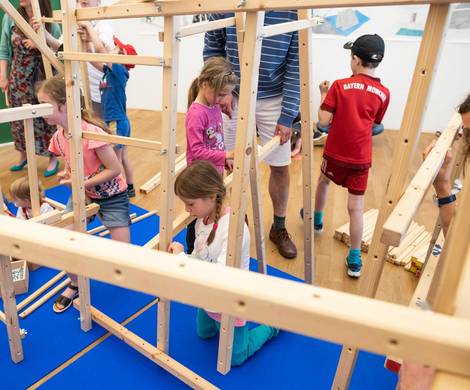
(246, 342)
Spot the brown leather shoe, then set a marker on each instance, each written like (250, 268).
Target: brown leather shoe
(282, 240)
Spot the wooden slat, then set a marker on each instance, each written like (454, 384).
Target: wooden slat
(10, 317)
(25, 112)
(163, 360)
(197, 28)
(116, 139)
(114, 58)
(287, 27)
(42, 35)
(30, 142)
(373, 325)
(400, 218)
(154, 182)
(306, 108)
(244, 144)
(72, 72)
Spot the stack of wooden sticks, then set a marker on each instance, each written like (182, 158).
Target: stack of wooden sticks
(415, 244)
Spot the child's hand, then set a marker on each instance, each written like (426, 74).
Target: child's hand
(324, 86)
(229, 155)
(35, 24)
(175, 248)
(28, 43)
(227, 105)
(229, 165)
(83, 31)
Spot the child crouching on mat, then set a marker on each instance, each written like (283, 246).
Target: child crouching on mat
(113, 93)
(204, 130)
(201, 187)
(103, 184)
(21, 196)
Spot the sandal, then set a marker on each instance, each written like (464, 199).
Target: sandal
(62, 303)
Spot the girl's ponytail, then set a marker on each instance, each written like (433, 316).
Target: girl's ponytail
(193, 91)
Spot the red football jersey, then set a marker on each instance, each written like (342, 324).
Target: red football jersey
(356, 103)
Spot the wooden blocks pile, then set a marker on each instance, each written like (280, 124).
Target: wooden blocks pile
(414, 245)
(370, 219)
(20, 276)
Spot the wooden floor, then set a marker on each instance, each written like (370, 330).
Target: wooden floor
(397, 285)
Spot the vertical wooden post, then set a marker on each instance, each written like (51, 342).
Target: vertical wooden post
(167, 197)
(42, 35)
(257, 206)
(32, 165)
(436, 24)
(85, 81)
(9, 306)
(306, 109)
(72, 74)
(244, 148)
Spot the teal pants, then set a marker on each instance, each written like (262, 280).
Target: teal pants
(245, 341)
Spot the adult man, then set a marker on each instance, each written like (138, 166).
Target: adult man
(276, 107)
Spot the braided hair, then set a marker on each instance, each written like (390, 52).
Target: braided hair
(202, 180)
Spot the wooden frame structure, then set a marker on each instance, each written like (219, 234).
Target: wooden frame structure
(237, 293)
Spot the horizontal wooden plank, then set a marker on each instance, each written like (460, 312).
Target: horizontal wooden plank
(371, 325)
(114, 58)
(116, 139)
(25, 112)
(197, 28)
(282, 28)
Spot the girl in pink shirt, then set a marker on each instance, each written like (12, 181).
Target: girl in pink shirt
(103, 184)
(204, 131)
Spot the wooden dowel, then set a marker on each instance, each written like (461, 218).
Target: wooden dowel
(55, 204)
(100, 228)
(40, 290)
(45, 298)
(137, 219)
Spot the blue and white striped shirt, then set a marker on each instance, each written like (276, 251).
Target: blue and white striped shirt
(279, 66)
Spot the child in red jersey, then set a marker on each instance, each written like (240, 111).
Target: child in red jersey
(352, 106)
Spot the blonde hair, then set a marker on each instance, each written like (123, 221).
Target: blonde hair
(55, 88)
(19, 189)
(202, 180)
(217, 72)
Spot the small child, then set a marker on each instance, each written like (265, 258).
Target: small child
(104, 183)
(204, 130)
(113, 95)
(201, 187)
(352, 106)
(21, 196)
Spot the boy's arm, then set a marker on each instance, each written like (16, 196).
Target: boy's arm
(324, 116)
(92, 41)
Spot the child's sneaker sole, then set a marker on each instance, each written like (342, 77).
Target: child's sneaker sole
(351, 273)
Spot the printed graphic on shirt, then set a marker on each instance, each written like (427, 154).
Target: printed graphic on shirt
(213, 137)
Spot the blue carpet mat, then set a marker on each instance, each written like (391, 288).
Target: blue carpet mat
(52, 338)
(289, 361)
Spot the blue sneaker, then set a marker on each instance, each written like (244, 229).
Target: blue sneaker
(354, 267)
(317, 228)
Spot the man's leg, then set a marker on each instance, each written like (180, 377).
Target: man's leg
(267, 114)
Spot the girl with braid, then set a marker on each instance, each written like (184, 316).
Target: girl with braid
(200, 186)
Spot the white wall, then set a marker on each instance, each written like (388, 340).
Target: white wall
(330, 61)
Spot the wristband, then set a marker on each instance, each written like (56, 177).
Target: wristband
(445, 200)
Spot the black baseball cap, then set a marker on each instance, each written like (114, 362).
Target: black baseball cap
(369, 47)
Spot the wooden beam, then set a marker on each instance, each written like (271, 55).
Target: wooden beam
(25, 112)
(287, 27)
(39, 291)
(188, 7)
(306, 108)
(55, 204)
(28, 31)
(30, 142)
(85, 79)
(52, 217)
(9, 305)
(114, 58)
(246, 122)
(69, 218)
(163, 360)
(167, 196)
(45, 298)
(400, 218)
(265, 150)
(197, 28)
(436, 24)
(179, 223)
(373, 325)
(72, 73)
(116, 139)
(41, 32)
